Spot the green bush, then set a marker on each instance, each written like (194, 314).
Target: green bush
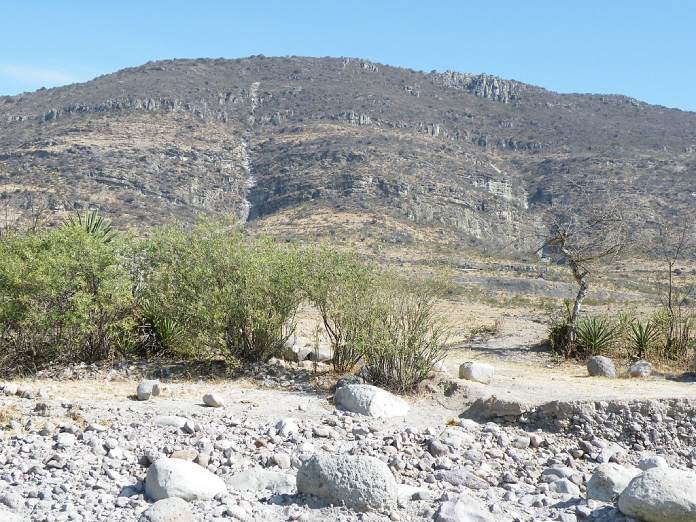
(217, 292)
(559, 328)
(342, 288)
(83, 292)
(410, 338)
(65, 295)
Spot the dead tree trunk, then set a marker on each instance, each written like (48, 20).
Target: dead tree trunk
(580, 277)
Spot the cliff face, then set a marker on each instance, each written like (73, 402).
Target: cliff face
(474, 155)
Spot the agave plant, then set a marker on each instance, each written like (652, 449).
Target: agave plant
(93, 224)
(642, 336)
(595, 335)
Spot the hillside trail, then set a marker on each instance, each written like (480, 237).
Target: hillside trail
(526, 371)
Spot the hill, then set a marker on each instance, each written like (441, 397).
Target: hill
(335, 145)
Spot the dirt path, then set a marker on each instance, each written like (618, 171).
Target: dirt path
(526, 372)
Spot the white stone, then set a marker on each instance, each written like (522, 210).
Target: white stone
(600, 366)
(640, 369)
(258, 479)
(213, 400)
(652, 461)
(464, 509)
(168, 510)
(565, 487)
(8, 516)
(179, 478)
(147, 389)
(661, 495)
(477, 371)
(370, 400)
(65, 440)
(360, 483)
(609, 480)
(170, 420)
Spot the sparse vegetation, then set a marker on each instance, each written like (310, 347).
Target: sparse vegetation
(83, 292)
(410, 338)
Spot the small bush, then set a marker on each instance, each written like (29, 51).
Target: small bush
(65, 295)
(675, 334)
(559, 329)
(595, 335)
(217, 292)
(343, 289)
(642, 337)
(410, 337)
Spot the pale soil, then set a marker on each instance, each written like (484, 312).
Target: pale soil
(524, 371)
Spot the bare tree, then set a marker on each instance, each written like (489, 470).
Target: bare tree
(586, 229)
(675, 244)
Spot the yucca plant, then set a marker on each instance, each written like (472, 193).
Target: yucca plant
(93, 224)
(161, 335)
(642, 337)
(595, 335)
(558, 331)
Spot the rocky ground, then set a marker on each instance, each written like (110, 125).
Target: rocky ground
(280, 444)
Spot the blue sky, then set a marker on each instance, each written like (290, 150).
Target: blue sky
(643, 49)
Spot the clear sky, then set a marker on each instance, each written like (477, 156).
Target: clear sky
(645, 49)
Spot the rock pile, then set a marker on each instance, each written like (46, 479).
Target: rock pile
(563, 462)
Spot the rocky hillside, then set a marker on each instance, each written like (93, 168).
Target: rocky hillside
(331, 142)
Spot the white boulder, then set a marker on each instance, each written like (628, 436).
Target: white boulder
(360, 483)
(640, 369)
(171, 420)
(661, 495)
(213, 400)
(8, 516)
(257, 479)
(477, 371)
(609, 480)
(652, 461)
(464, 509)
(370, 400)
(600, 366)
(147, 389)
(179, 478)
(168, 510)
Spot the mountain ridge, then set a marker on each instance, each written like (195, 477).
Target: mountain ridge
(476, 156)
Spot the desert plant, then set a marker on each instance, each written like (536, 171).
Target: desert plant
(92, 223)
(64, 296)
(676, 337)
(642, 336)
(595, 335)
(342, 288)
(229, 294)
(411, 337)
(558, 330)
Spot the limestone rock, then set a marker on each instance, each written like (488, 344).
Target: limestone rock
(168, 510)
(147, 389)
(661, 495)
(358, 482)
(8, 516)
(370, 400)
(640, 369)
(600, 366)
(213, 400)
(609, 480)
(179, 478)
(464, 509)
(652, 461)
(261, 479)
(171, 420)
(477, 371)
